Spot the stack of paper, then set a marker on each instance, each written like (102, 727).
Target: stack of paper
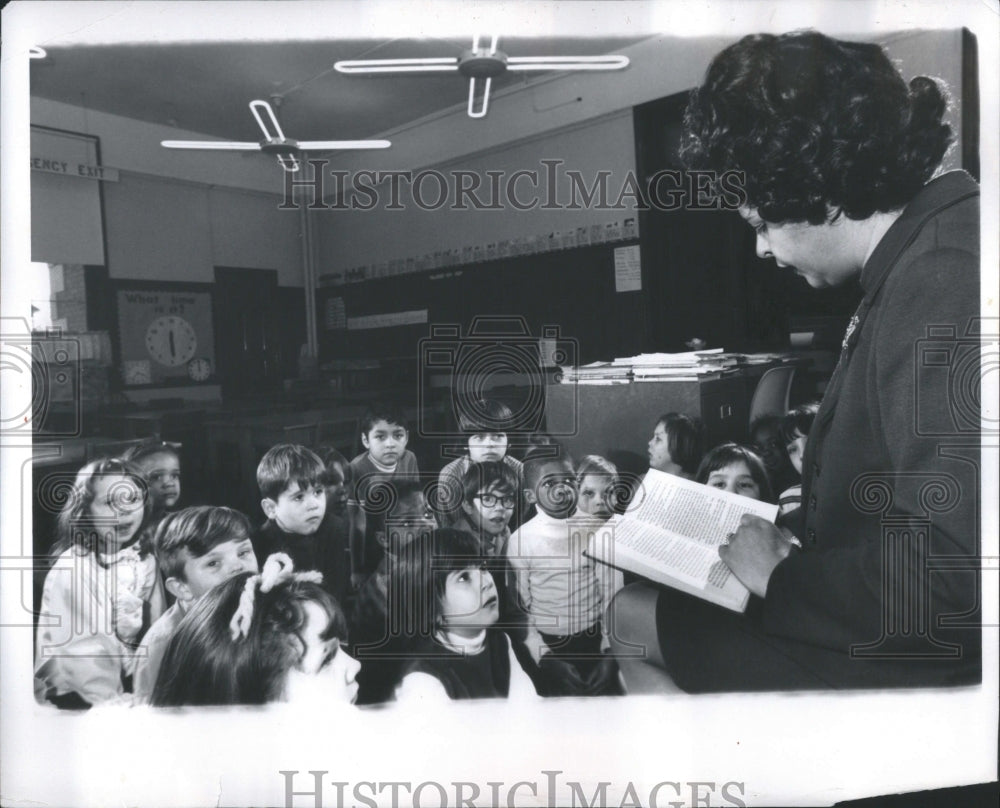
(596, 373)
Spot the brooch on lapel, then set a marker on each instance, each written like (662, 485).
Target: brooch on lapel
(849, 333)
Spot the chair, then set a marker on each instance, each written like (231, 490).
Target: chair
(772, 392)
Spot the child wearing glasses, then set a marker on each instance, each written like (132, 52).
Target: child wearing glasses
(558, 585)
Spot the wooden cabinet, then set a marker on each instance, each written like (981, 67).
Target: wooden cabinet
(617, 421)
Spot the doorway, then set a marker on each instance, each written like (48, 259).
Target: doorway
(247, 332)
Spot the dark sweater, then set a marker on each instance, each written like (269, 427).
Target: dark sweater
(271, 538)
(485, 675)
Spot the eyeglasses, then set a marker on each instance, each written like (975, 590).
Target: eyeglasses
(491, 500)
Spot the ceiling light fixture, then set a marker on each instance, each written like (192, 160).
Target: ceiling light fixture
(481, 65)
(285, 149)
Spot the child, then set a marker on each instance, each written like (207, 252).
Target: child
(102, 580)
(734, 468)
(384, 436)
(599, 485)
(409, 516)
(597, 482)
(482, 420)
(292, 481)
(768, 443)
(161, 468)
(196, 549)
(676, 445)
(334, 534)
(338, 472)
(452, 605)
(795, 429)
(254, 639)
(489, 497)
(558, 585)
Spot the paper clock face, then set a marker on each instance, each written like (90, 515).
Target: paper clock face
(165, 333)
(171, 340)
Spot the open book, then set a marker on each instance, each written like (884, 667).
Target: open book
(671, 533)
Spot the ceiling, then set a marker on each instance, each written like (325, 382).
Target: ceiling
(205, 87)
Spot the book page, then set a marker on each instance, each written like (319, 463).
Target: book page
(685, 559)
(692, 510)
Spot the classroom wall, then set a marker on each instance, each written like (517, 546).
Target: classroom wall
(937, 54)
(173, 215)
(350, 238)
(162, 229)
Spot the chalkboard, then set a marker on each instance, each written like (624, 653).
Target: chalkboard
(569, 293)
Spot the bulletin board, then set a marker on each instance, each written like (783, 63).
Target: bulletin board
(165, 333)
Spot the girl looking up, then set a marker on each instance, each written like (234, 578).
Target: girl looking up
(450, 606)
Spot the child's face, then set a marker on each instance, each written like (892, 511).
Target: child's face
(491, 509)
(224, 561)
(325, 664)
(409, 518)
(297, 510)
(385, 442)
(487, 447)
(768, 444)
(736, 479)
(797, 450)
(118, 500)
(163, 475)
(597, 495)
(470, 602)
(659, 450)
(336, 495)
(555, 492)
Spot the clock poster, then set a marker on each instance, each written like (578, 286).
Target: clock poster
(165, 333)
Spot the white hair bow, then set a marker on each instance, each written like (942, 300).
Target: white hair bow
(278, 569)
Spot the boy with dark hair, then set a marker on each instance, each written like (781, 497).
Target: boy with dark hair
(292, 482)
(385, 459)
(196, 549)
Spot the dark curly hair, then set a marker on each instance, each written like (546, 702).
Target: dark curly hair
(816, 123)
(204, 665)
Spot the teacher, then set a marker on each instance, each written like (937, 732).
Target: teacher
(841, 167)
